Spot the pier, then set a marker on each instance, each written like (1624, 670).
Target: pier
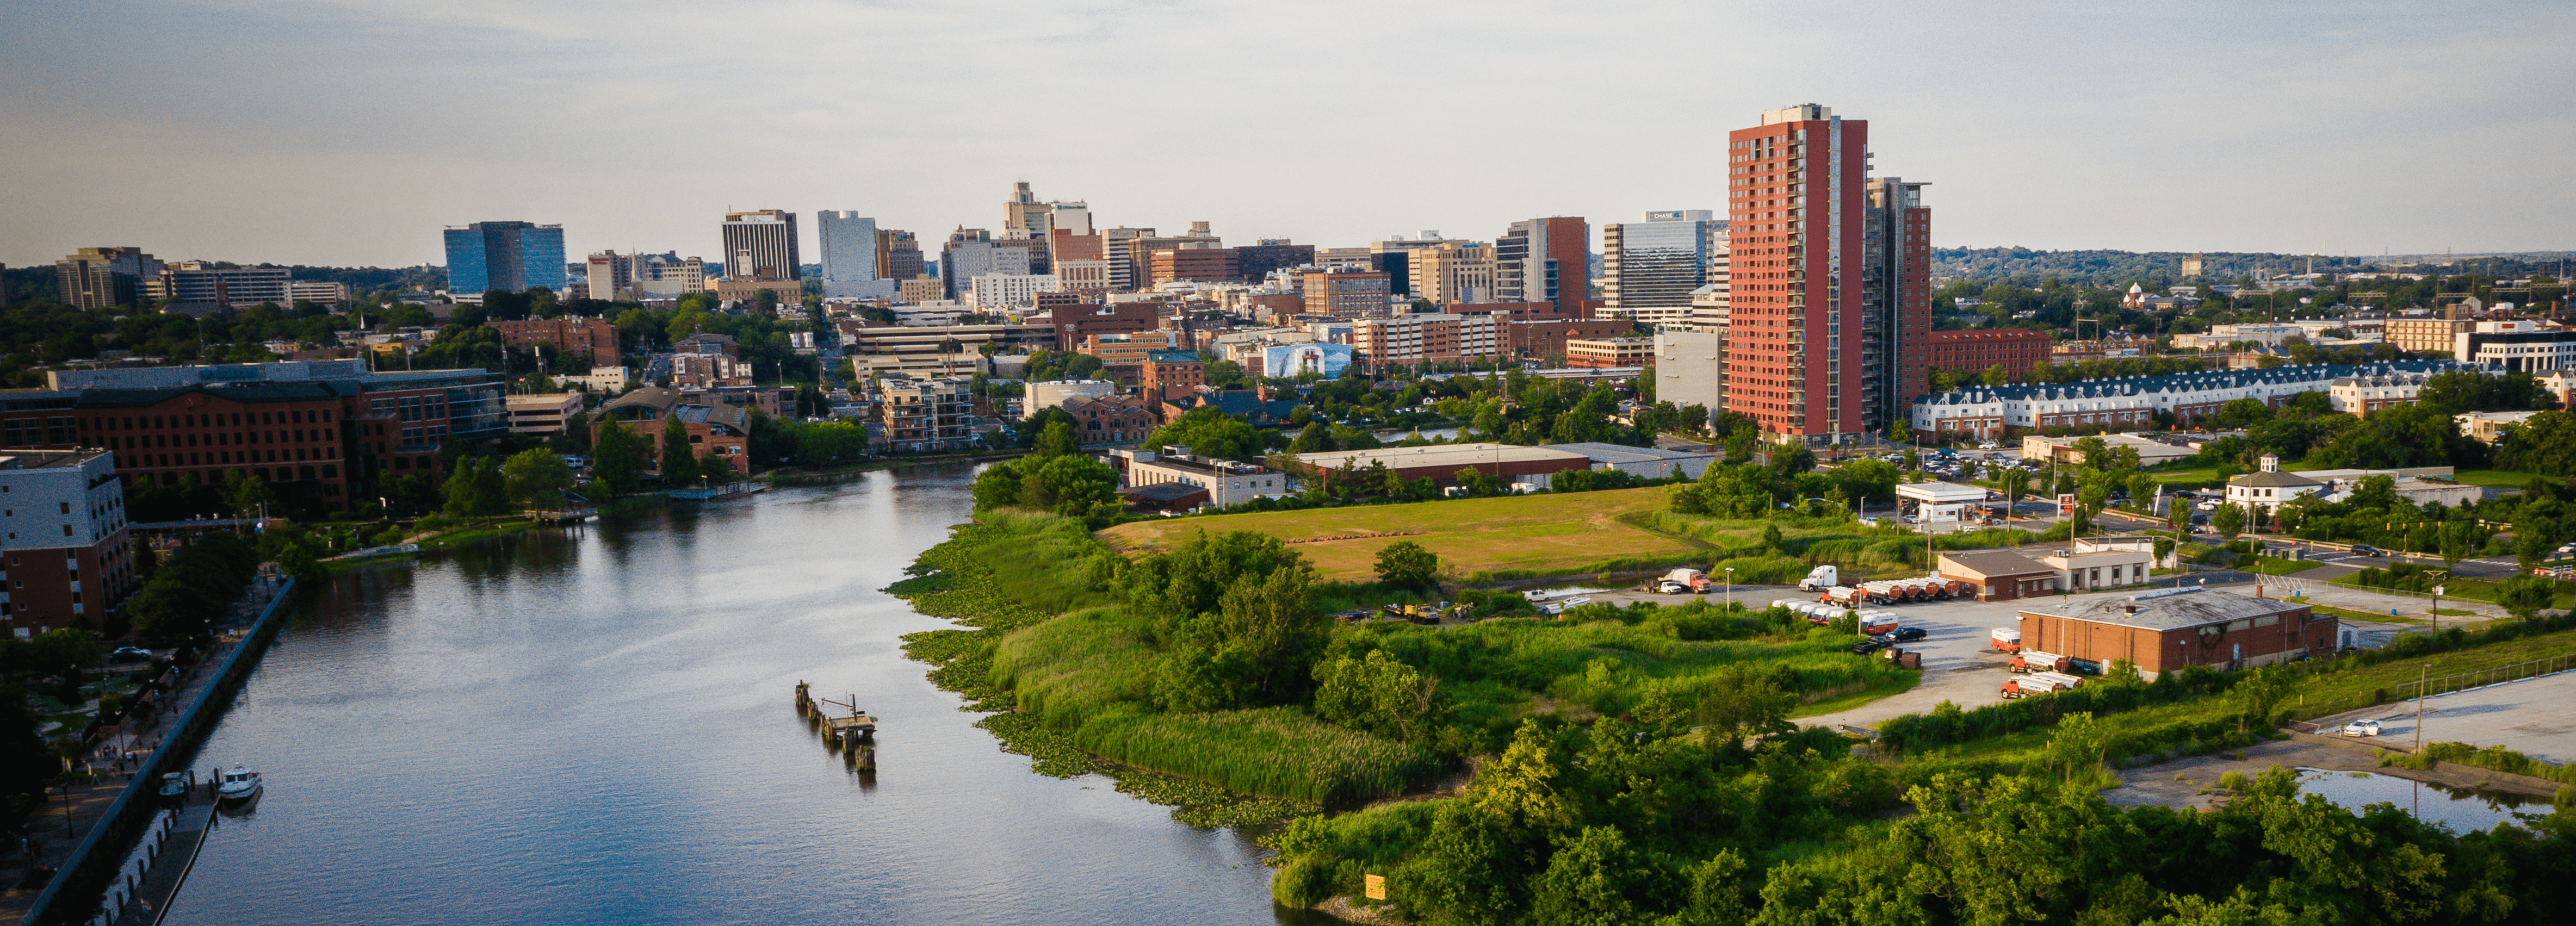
(853, 733)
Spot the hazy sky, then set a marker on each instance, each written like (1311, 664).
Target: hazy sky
(349, 131)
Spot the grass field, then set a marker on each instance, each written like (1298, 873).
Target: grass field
(1528, 534)
(2503, 478)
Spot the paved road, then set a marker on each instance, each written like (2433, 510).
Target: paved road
(2533, 716)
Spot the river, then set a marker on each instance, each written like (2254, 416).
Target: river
(596, 726)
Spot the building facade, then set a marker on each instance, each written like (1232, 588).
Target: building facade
(1690, 369)
(1896, 300)
(548, 413)
(1451, 272)
(1114, 418)
(850, 268)
(68, 557)
(1650, 269)
(974, 252)
(104, 277)
(927, 414)
(1194, 264)
(2130, 402)
(1435, 337)
(2166, 631)
(591, 338)
(506, 256)
(1605, 353)
(195, 281)
(1546, 260)
(1226, 482)
(1796, 295)
(762, 245)
(1346, 294)
(1004, 291)
(1976, 350)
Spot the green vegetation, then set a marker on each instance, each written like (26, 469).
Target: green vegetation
(1540, 535)
(183, 596)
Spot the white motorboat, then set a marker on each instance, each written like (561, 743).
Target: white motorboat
(238, 786)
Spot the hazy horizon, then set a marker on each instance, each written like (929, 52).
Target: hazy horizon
(347, 133)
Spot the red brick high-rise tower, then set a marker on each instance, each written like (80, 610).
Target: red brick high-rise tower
(1795, 207)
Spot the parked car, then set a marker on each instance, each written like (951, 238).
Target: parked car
(1866, 647)
(1905, 634)
(2363, 549)
(2361, 728)
(129, 654)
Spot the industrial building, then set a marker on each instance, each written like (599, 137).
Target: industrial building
(2164, 631)
(1441, 463)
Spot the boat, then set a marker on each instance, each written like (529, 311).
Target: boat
(238, 786)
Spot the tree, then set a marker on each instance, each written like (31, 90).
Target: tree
(1407, 564)
(2228, 520)
(2078, 743)
(617, 457)
(679, 458)
(2525, 596)
(1746, 701)
(476, 488)
(2258, 692)
(1378, 694)
(1057, 440)
(536, 479)
(1208, 432)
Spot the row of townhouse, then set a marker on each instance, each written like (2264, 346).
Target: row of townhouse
(2131, 402)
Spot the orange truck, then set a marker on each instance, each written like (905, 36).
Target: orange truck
(2007, 640)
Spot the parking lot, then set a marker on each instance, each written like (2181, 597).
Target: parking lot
(2533, 716)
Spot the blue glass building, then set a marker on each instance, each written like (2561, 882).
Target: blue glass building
(508, 256)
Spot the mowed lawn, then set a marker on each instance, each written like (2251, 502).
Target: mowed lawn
(1548, 533)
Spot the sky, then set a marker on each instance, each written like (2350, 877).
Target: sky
(349, 132)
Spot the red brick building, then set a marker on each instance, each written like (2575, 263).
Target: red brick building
(719, 430)
(1203, 265)
(1169, 374)
(1073, 323)
(1794, 227)
(69, 557)
(590, 337)
(2166, 631)
(1113, 419)
(1975, 351)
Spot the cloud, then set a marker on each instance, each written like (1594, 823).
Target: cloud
(339, 131)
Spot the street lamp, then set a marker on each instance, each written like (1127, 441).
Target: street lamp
(1730, 589)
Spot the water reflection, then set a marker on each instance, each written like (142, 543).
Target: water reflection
(2462, 810)
(595, 725)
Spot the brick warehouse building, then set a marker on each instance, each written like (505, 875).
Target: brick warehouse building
(590, 337)
(1975, 351)
(62, 514)
(320, 433)
(2167, 630)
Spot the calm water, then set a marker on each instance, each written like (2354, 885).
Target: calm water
(2462, 810)
(597, 727)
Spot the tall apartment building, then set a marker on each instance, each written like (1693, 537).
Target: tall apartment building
(1546, 260)
(1796, 214)
(105, 277)
(974, 252)
(68, 556)
(1650, 269)
(850, 268)
(506, 256)
(1449, 273)
(1428, 337)
(1393, 257)
(1346, 293)
(899, 254)
(761, 245)
(201, 282)
(1128, 266)
(1896, 303)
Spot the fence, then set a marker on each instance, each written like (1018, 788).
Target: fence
(2440, 685)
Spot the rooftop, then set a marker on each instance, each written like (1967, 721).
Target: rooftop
(2175, 609)
(1993, 563)
(2181, 382)
(1443, 455)
(42, 459)
(2273, 480)
(1621, 453)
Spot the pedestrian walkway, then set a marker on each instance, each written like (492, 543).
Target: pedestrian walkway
(57, 827)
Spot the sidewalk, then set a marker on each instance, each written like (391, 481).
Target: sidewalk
(47, 831)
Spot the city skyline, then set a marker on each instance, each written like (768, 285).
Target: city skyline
(281, 132)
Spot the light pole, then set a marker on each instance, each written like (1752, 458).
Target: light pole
(1730, 589)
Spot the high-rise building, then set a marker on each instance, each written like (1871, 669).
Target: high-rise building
(1393, 257)
(1546, 260)
(761, 245)
(611, 275)
(850, 268)
(1256, 261)
(1650, 269)
(974, 252)
(899, 254)
(1195, 264)
(507, 256)
(1128, 265)
(1896, 301)
(668, 276)
(202, 283)
(1450, 272)
(100, 278)
(1024, 216)
(1796, 211)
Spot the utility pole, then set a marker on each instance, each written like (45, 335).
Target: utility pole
(2423, 677)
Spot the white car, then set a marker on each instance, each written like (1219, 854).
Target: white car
(2361, 728)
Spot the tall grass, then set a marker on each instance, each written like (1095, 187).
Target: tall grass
(1279, 751)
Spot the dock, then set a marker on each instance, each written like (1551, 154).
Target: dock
(153, 872)
(853, 733)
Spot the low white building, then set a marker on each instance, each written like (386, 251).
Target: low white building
(1226, 482)
(2062, 449)
(2520, 346)
(2129, 402)
(1043, 396)
(1942, 502)
(997, 292)
(2488, 427)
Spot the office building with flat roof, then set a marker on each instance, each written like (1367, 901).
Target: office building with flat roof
(762, 245)
(1546, 260)
(507, 256)
(104, 277)
(850, 266)
(1650, 269)
(68, 557)
(1795, 299)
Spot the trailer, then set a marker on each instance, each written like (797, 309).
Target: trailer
(2036, 661)
(1874, 622)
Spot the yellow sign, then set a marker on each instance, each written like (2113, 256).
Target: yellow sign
(1376, 887)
